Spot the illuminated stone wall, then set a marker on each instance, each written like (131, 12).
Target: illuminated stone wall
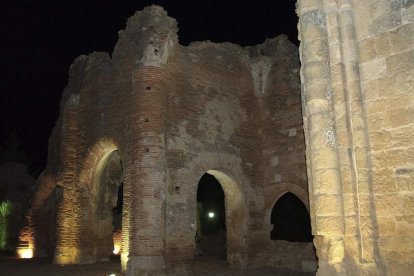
(357, 90)
(175, 113)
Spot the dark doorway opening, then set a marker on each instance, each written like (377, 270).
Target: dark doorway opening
(290, 220)
(211, 218)
(117, 222)
(109, 208)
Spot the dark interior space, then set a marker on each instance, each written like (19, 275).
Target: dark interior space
(109, 209)
(117, 223)
(290, 220)
(117, 210)
(211, 218)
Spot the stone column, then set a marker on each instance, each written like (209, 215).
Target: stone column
(67, 232)
(148, 176)
(358, 144)
(326, 202)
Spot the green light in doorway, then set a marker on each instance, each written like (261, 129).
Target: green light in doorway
(5, 207)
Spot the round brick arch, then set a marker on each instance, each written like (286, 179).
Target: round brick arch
(93, 167)
(235, 204)
(236, 215)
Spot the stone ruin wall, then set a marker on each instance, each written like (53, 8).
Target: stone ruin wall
(357, 99)
(171, 122)
(386, 57)
(356, 83)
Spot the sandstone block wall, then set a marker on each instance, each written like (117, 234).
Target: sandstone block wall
(386, 55)
(355, 94)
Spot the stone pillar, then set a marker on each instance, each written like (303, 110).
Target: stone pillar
(357, 135)
(325, 191)
(67, 224)
(147, 225)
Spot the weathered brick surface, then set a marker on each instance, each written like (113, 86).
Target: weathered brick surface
(175, 113)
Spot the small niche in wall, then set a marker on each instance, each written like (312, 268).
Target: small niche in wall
(148, 88)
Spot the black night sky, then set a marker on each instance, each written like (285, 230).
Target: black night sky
(40, 39)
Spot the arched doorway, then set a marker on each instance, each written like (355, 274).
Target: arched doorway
(218, 193)
(108, 206)
(211, 218)
(291, 239)
(290, 220)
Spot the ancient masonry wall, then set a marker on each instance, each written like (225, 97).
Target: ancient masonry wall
(174, 113)
(386, 57)
(356, 87)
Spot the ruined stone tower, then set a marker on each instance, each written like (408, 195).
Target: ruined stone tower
(156, 116)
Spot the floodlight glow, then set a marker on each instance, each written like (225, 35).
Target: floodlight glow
(25, 253)
(117, 249)
(117, 238)
(211, 214)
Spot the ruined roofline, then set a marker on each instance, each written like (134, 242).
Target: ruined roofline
(138, 21)
(151, 29)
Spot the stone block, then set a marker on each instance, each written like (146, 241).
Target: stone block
(316, 89)
(408, 204)
(329, 226)
(380, 140)
(326, 181)
(274, 161)
(320, 47)
(351, 227)
(378, 10)
(316, 70)
(374, 69)
(367, 50)
(377, 121)
(349, 204)
(363, 178)
(389, 205)
(327, 205)
(324, 158)
(400, 62)
(400, 100)
(402, 39)
(404, 184)
(383, 181)
(386, 227)
(376, 106)
(402, 137)
(346, 180)
(385, 22)
(382, 45)
(393, 158)
(400, 117)
(342, 140)
(308, 5)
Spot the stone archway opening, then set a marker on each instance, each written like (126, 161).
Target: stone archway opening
(211, 218)
(290, 220)
(291, 239)
(108, 207)
(230, 217)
